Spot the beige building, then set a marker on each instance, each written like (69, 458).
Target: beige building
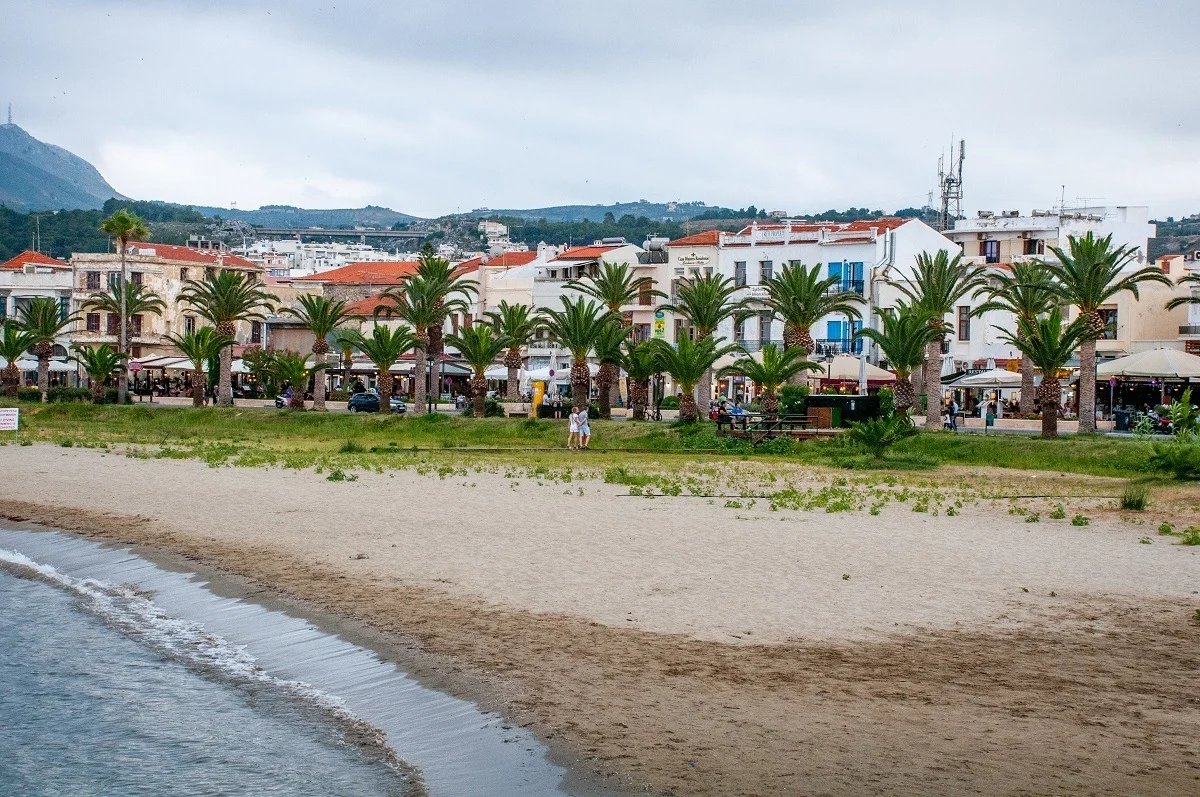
(163, 269)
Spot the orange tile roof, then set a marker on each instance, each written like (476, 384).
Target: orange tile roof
(366, 307)
(380, 272)
(33, 258)
(585, 252)
(508, 259)
(189, 255)
(706, 238)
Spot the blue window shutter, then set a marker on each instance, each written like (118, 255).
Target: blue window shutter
(856, 271)
(63, 309)
(833, 329)
(835, 270)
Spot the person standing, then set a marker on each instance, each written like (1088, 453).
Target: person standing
(585, 429)
(953, 415)
(557, 404)
(573, 428)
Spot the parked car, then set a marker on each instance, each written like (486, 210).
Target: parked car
(369, 402)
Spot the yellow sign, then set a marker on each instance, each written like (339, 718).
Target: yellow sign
(660, 324)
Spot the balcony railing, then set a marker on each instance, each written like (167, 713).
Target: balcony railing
(754, 344)
(1189, 329)
(833, 346)
(852, 286)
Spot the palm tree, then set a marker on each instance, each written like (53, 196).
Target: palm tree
(776, 368)
(479, 346)
(124, 227)
(385, 346)
(291, 368)
(45, 320)
(1049, 343)
(14, 342)
(1027, 292)
(516, 324)
(801, 298)
(640, 361)
(577, 327)
(608, 353)
(322, 316)
(687, 362)
(1089, 276)
(616, 286)
(938, 283)
(416, 304)
(706, 300)
(224, 299)
(125, 299)
(98, 364)
(1191, 298)
(903, 340)
(200, 346)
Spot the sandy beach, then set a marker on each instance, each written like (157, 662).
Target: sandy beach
(678, 645)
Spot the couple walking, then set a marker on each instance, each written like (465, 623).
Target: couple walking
(579, 433)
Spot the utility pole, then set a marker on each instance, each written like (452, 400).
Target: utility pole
(950, 181)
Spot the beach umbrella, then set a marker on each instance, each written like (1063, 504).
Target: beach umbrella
(1162, 363)
(995, 378)
(847, 367)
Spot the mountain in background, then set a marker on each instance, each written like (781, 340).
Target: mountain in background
(655, 211)
(39, 176)
(293, 217)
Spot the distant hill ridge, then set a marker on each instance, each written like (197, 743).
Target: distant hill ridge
(38, 176)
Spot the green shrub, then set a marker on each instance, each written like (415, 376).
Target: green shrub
(1180, 458)
(336, 395)
(1190, 536)
(1135, 497)
(670, 403)
(1166, 528)
(66, 395)
(29, 394)
(1079, 520)
(793, 399)
(491, 409)
(877, 435)
(350, 447)
(887, 401)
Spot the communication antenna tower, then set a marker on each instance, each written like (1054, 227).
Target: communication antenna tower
(950, 181)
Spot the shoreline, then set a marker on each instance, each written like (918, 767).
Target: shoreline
(1044, 690)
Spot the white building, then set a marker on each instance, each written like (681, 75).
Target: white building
(292, 258)
(1009, 237)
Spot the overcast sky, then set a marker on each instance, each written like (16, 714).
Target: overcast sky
(432, 107)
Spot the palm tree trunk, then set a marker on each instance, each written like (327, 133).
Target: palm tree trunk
(385, 390)
(605, 383)
(703, 393)
(225, 385)
(123, 343)
(421, 363)
(199, 387)
(1050, 392)
(799, 336)
(580, 381)
(933, 385)
(1028, 391)
(10, 380)
(437, 347)
(905, 394)
(479, 395)
(687, 407)
(319, 384)
(97, 386)
(1087, 386)
(769, 400)
(639, 395)
(513, 361)
(44, 377)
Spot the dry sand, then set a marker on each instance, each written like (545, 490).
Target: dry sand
(697, 649)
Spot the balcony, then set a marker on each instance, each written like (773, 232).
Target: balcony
(847, 286)
(828, 347)
(1189, 329)
(752, 345)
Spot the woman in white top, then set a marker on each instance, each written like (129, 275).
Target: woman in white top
(573, 428)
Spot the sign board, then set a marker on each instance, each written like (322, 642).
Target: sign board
(693, 259)
(660, 324)
(134, 367)
(9, 418)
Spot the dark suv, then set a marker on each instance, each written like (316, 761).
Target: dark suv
(369, 402)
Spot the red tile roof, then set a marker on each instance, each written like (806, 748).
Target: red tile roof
(706, 238)
(384, 272)
(585, 252)
(366, 307)
(33, 258)
(508, 259)
(189, 255)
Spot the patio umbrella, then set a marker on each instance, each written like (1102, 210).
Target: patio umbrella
(847, 368)
(1162, 363)
(997, 377)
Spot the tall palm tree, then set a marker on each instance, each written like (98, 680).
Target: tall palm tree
(777, 367)
(416, 303)
(608, 353)
(1090, 275)
(125, 300)
(517, 325)
(223, 299)
(640, 361)
(45, 320)
(801, 298)
(938, 283)
(385, 346)
(14, 342)
(577, 327)
(1190, 280)
(124, 227)
(615, 286)
(291, 368)
(706, 300)
(903, 340)
(322, 316)
(200, 346)
(98, 364)
(687, 362)
(479, 346)
(1027, 292)
(1049, 343)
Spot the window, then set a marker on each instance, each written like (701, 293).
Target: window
(92, 280)
(1109, 316)
(189, 324)
(209, 273)
(136, 277)
(990, 251)
(1035, 246)
(641, 332)
(93, 322)
(135, 351)
(112, 323)
(644, 297)
(856, 342)
(454, 323)
(256, 332)
(764, 328)
(553, 273)
(739, 331)
(964, 322)
(835, 269)
(739, 273)
(114, 279)
(136, 321)
(765, 269)
(183, 274)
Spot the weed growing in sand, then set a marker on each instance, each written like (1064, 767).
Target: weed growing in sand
(351, 447)
(339, 475)
(1033, 517)
(1059, 513)
(1166, 528)
(1135, 497)
(1079, 520)
(1196, 617)
(1144, 540)
(1190, 536)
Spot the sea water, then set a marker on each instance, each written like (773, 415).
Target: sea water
(121, 678)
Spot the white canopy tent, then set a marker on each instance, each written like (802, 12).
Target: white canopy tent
(995, 378)
(29, 364)
(848, 368)
(1170, 364)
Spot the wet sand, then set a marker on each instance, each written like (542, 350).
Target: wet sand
(683, 647)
